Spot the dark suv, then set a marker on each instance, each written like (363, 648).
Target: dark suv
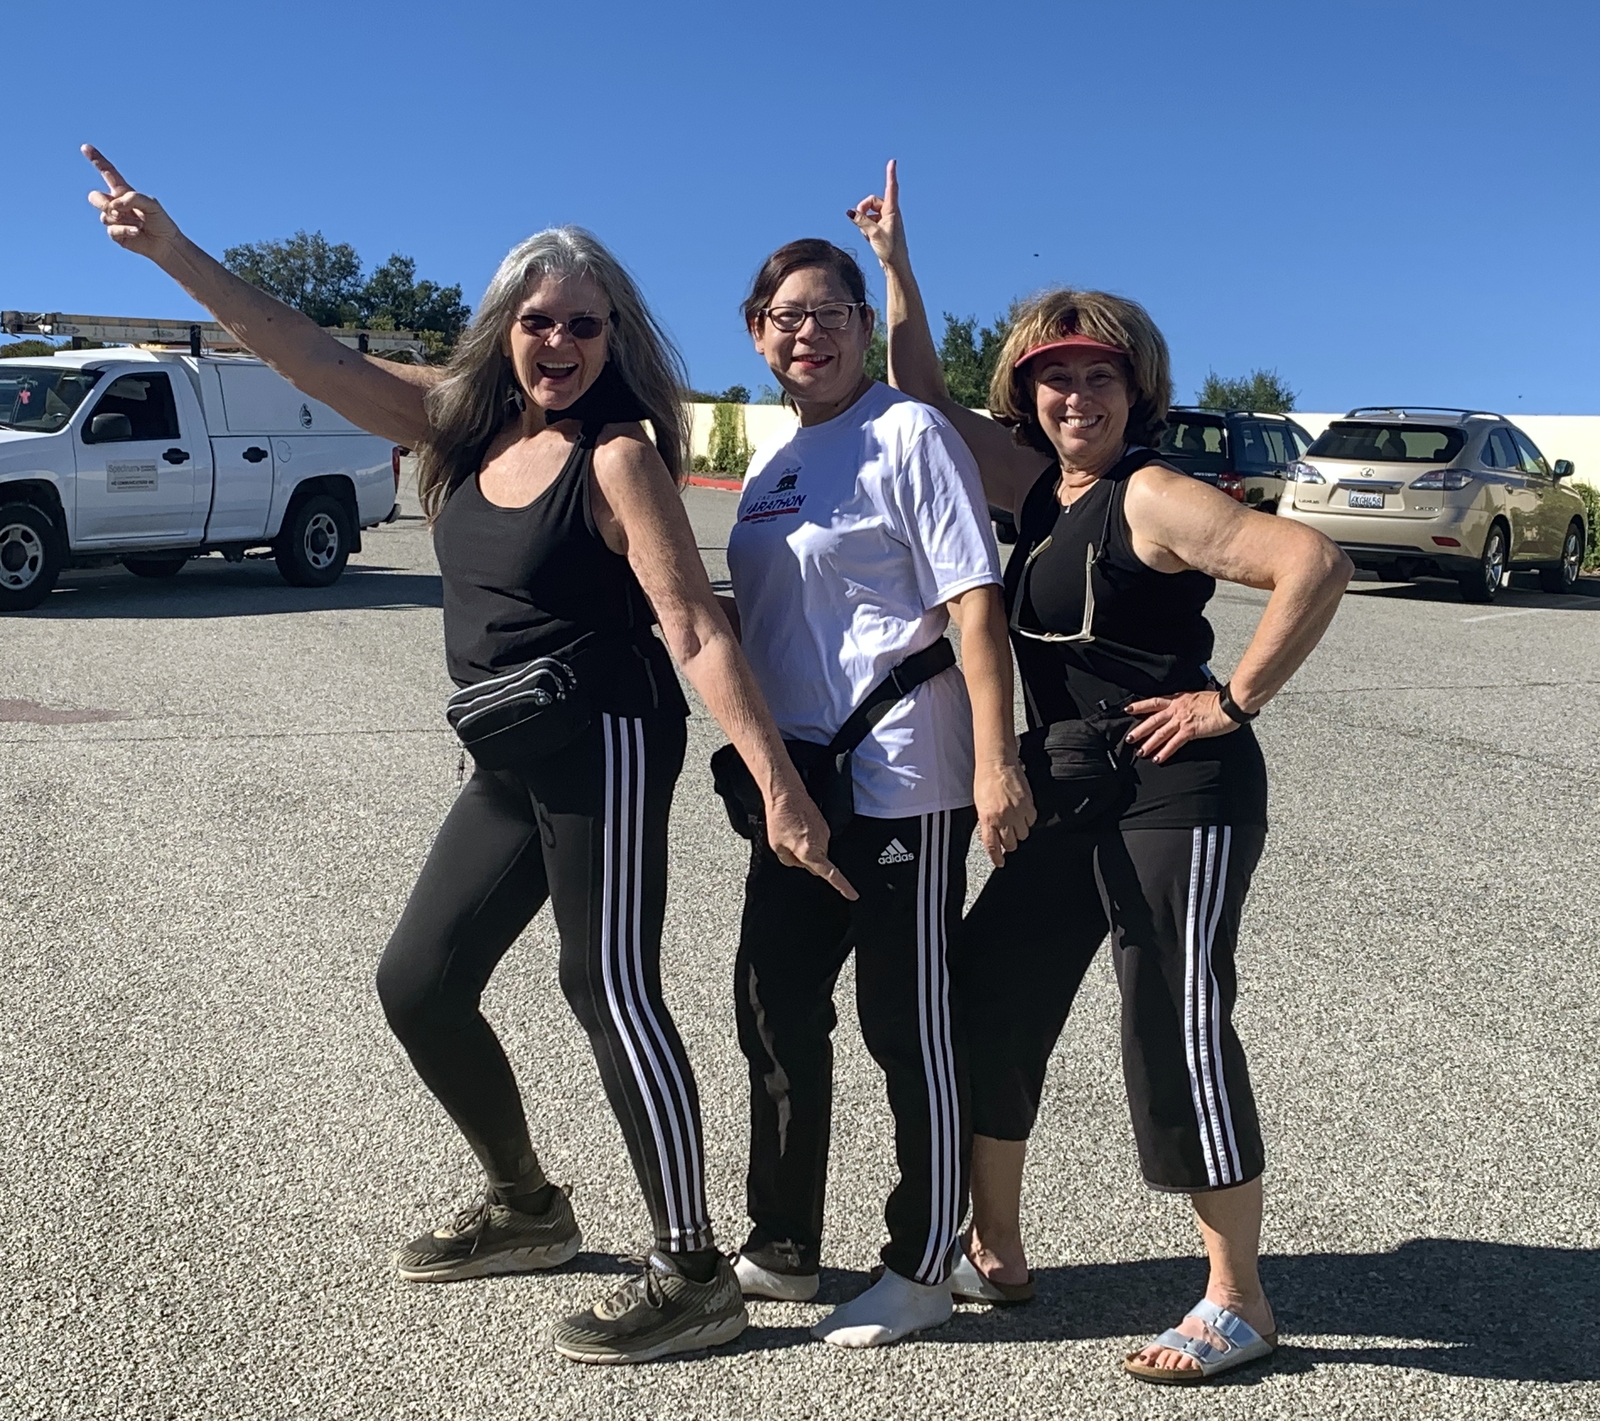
(1241, 452)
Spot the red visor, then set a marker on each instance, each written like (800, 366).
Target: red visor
(1073, 342)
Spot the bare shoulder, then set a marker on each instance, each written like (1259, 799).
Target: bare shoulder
(1156, 490)
(626, 459)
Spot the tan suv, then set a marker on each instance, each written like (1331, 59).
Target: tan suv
(1459, 493)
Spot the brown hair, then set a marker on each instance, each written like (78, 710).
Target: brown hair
(797, 256)
(1113, 320)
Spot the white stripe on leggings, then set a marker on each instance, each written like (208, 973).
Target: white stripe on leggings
(938, 1052)
(622, 971)
(1201, 1016)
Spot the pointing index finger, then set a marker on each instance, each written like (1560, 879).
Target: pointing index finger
(891, 186)
(114, 180)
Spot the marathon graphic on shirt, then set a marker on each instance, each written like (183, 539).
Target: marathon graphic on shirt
(782, 500)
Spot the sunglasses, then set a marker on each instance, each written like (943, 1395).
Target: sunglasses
(536, 323)
(835, 316)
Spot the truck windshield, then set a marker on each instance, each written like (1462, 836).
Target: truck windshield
(42, 397)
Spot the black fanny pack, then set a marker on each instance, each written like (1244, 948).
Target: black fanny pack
(1080, 770)
(825, 769)
(526, 714)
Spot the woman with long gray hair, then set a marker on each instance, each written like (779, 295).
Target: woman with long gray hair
(561, 540)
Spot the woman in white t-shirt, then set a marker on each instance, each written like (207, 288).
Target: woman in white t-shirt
(859, 536)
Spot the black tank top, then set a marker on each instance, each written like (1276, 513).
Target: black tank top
(539, 580)
(1146, 635)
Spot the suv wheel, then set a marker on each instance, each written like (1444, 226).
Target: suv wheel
(1563, 577)
(154, 567)
(1481, 584)
(315, 543)
(30, 556)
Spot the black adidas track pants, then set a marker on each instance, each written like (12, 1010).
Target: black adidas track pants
(1172, 899)
(586, 829)
(797, 931)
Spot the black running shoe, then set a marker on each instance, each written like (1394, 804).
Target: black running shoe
(491, 1238)
(654, 1315)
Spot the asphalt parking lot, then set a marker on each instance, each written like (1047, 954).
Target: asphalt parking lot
(217, 792)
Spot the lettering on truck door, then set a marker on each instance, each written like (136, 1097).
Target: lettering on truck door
(139, 467)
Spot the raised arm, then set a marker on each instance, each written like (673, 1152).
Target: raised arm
(376, 394)
(1008, 470)
(660, 547)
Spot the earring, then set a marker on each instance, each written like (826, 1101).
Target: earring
(514, 396)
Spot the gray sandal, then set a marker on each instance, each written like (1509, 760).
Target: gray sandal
(1242, 1344)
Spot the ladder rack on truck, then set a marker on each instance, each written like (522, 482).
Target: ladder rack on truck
(200, 337)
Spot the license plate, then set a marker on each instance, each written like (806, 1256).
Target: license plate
(1365, 500)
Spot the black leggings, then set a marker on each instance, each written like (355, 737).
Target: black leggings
(586, 829)
(1172, 899)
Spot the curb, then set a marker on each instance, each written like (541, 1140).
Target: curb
(728, 485)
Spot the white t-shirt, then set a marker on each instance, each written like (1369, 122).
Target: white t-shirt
(851, 535)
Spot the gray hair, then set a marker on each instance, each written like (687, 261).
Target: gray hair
(471, 404)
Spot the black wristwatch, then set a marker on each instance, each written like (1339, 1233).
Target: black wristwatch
(1232, 709)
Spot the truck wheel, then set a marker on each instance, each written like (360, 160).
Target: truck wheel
(1481, 584)
(315, 543)
(30, 556)
(1564, 576)
(154, 567)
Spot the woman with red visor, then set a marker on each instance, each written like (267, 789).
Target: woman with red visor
(1150, 786)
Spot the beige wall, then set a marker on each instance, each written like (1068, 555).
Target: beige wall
(760, 423)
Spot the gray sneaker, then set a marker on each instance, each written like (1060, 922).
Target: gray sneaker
(491, 1238)
(654, 1315)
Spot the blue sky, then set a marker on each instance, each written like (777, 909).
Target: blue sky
(1385, 201)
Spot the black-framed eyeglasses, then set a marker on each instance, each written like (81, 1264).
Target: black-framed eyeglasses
(536, 323)
(834, 316)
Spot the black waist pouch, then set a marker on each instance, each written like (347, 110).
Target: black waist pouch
(824, 772)
(825, 769)
(537, 710)
(1080, 771)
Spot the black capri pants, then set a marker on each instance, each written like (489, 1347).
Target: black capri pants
(1171, 898)
(586, 829)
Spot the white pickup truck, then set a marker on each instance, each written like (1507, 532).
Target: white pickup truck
(149, 459)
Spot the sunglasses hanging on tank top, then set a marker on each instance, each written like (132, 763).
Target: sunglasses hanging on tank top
(1079, 770)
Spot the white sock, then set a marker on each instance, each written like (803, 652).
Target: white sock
(892, 1308)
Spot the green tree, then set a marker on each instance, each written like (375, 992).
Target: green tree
(968, 355)
(25, 349)
(306, 271)
(878, 354)
(393, 298)
(1261, 390)
(324, 279)
(729, 450)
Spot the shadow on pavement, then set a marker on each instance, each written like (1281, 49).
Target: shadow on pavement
(232, 590)
(1461, 1309)
(1585, 597)
(1466, 1308)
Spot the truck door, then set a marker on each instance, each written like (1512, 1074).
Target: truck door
(139, 467)
(242, 494)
